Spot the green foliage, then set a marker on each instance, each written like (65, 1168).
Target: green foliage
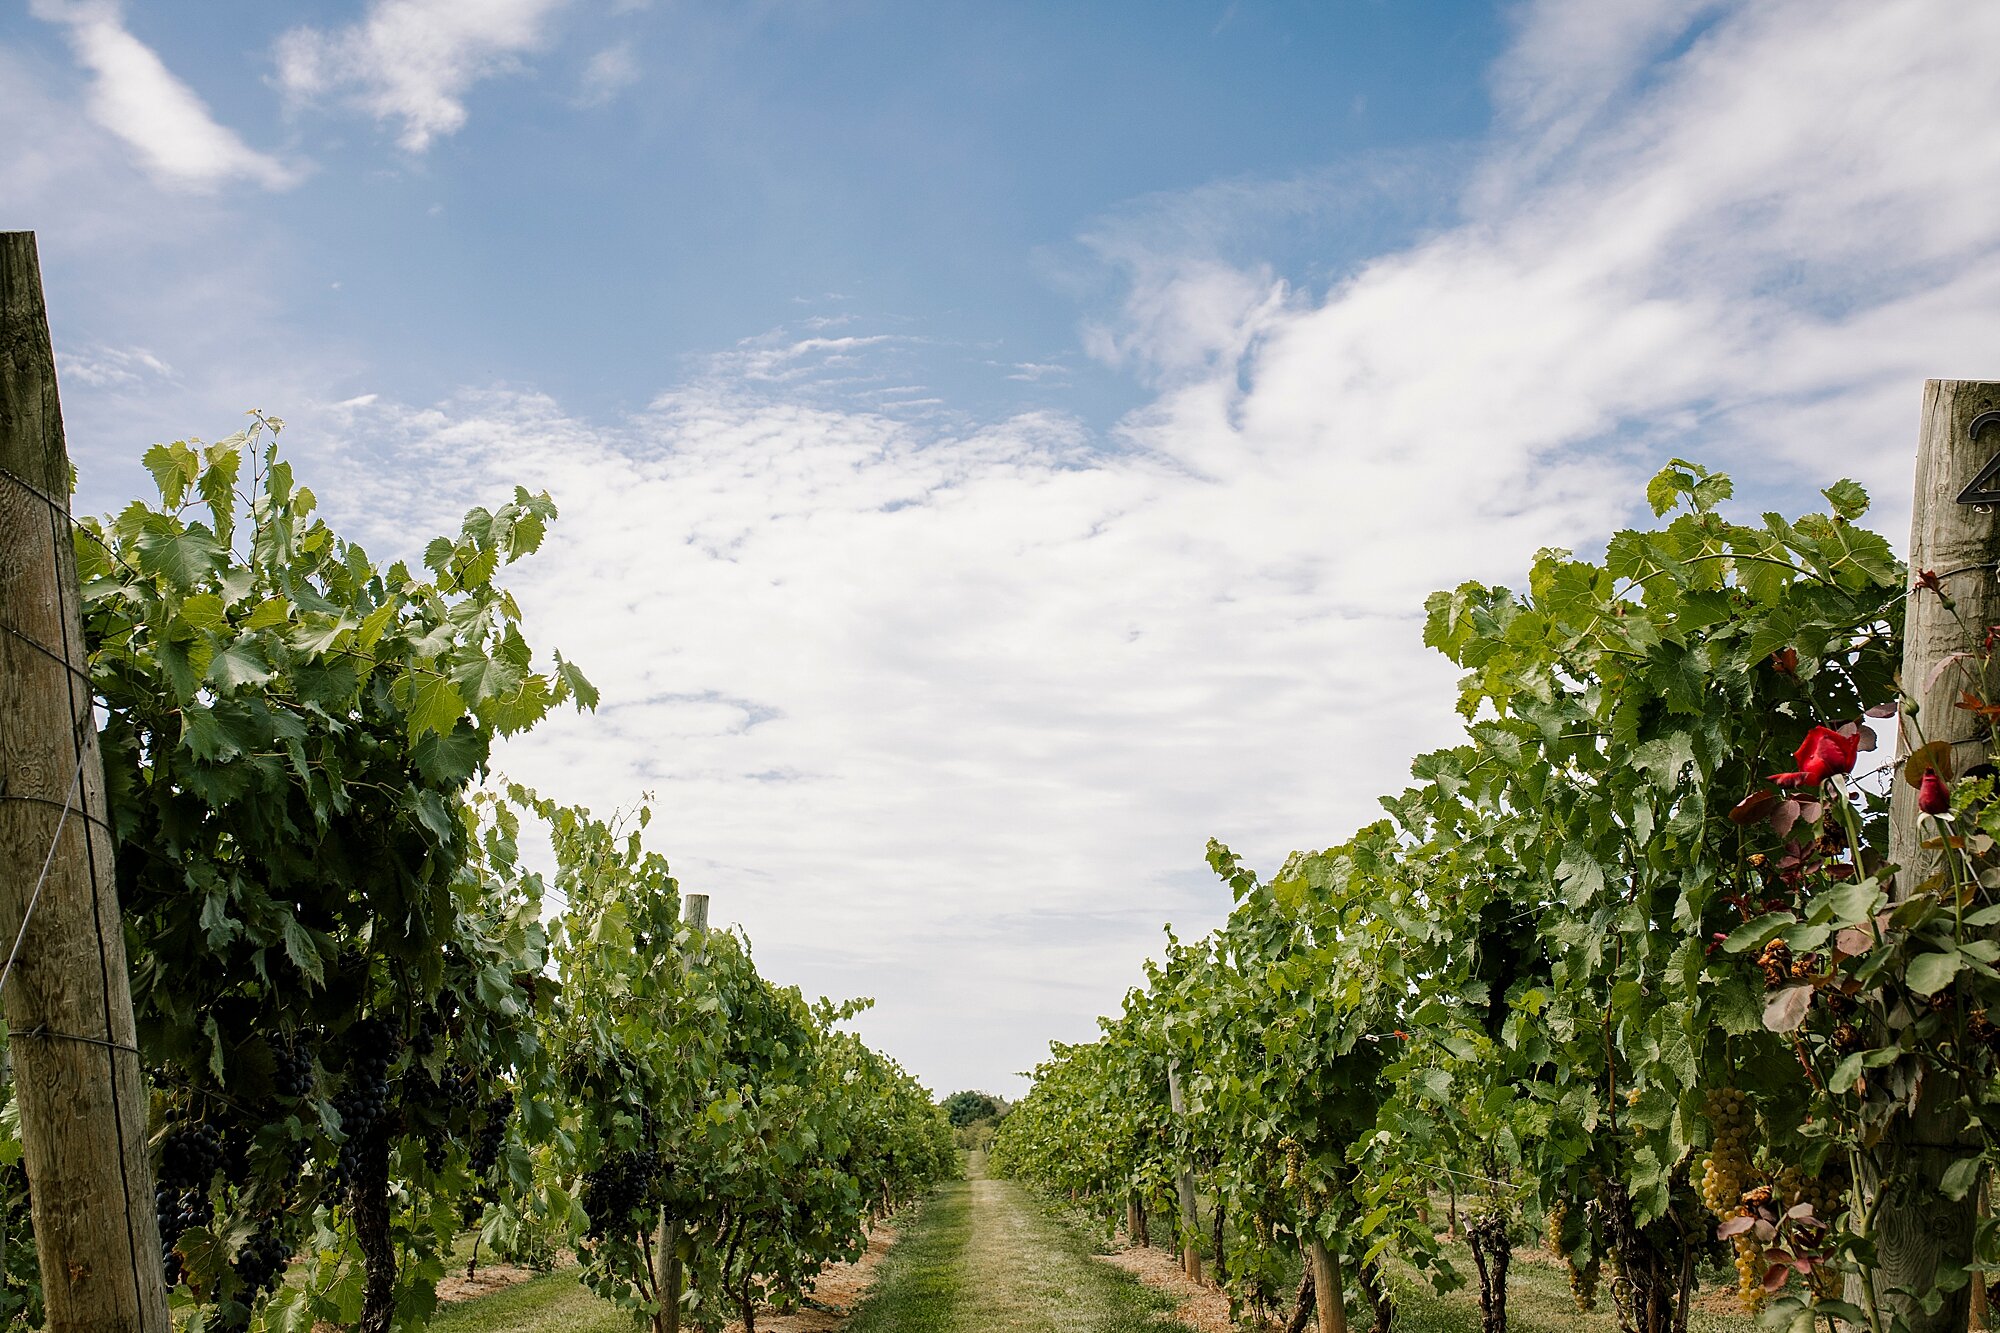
(363, 1031)
(962, 1108)
(710, 1119)
(290, 735)
(1525, 980)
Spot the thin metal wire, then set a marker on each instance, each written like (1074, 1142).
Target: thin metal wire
(62, 821)
(47, 1033)
(26, 799)
(45, 651)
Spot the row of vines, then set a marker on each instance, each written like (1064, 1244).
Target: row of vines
(1625, 968)
(370, 1025)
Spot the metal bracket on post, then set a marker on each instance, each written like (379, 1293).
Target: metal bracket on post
(1983, 491)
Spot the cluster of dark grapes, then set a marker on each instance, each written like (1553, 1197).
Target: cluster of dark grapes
(262, 1261)
(617, 1189)
(190, 1155)
(291, 1070)
(492, 1133)
(364, 1101)
(430, 1026)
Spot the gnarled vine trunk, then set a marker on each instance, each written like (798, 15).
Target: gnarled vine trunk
(1492, 1252)
(368, 1204)
(1380, 1302)
(1302, 1308)
(1650, 1292)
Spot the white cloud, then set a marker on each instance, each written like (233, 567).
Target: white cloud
(943, 711)
(136, 97)
(114, 367)
(945, 714)
(610, 72)
(413, 61)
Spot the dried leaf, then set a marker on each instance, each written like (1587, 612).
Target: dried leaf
(1754, 807)
(1787, 1009)
(1945, 664)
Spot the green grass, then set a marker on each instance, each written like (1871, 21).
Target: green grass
(555, 1303)
(917, 1284)
(981, 1257)
(1538, 1301)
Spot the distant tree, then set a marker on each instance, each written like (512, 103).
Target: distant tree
(962, 1108)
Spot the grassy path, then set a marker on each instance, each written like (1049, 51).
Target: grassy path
(983, 1258)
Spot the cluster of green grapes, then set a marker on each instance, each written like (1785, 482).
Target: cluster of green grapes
(1582, 1280)
(1726, 1175)
(1295, 1160)
(1726, 1171)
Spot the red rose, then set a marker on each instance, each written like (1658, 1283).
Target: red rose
(1823, 753)
(1933, 797)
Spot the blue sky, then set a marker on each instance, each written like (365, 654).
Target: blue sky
(634, 189)
(1001, 446)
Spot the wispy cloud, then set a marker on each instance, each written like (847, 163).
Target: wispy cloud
(1017, 674)
(608, 73)
(413, 61)
(113, 367)
(136, 97)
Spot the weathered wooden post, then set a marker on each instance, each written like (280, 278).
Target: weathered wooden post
(1916, 1226)
(694, 908)
(68, 997)
(1327, 1286)
(667, 1274)
(1184, 1184)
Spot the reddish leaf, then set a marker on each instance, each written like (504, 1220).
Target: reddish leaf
(1932, 758)
(1944, 664)
(1754, 807)
(1972, 703)
(1853, 942)
(1786, 815)
(1787, 1009)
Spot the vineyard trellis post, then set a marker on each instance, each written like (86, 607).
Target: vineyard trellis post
(1916, 1227)
(667, 1281)
(1184, 1184)
(1327, 1286)
(67, 989)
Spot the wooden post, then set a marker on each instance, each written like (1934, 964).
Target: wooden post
(1327, 1285)
(1190, 1222)
(1915, 1226)
(694, 908)
(69, 999)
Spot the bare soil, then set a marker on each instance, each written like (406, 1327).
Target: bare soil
(1203, 1308)
(841, 1286)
